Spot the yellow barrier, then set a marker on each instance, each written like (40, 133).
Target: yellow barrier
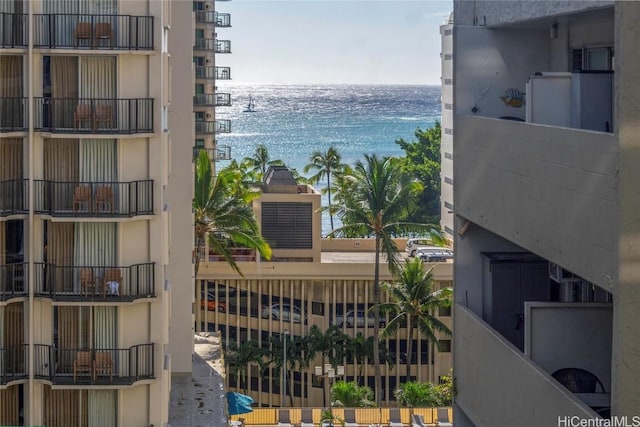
(364, 416)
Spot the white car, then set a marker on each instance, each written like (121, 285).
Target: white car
(415, 243)
(357, 319)
(274, 312)
(434, 254)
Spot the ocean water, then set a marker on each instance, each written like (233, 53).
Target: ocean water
(295, 120)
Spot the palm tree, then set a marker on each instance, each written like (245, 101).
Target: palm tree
(414, 300)
(361, 349)
(327, 164)
(331, 345)
(261, 161)
(378, 199)
(239, 357)
(223, 215)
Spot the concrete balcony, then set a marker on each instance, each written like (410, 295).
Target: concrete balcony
(221, 152)
(213, 127)
(213, 73)
(550, 190)
(94, 199)
(93, 32)
(498, 385)
(13, 281)
(72, 283)
(13, 197)
(94, 367)
(14, 363)
(13, 114)
(212, 100)
(94, 115)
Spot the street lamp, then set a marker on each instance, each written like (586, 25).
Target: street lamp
(284, 367)
(328, 373)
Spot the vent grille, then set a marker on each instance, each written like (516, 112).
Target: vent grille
(287, 225)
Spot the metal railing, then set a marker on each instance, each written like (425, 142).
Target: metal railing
(76, 31)
(95, 283)
(223, 46)
(212, 100)
(212, 127)
(221, 152)
(223, 99)
(97, 366)
(13, 197)
(222, 20)
(94, 115)
(14, 363)
(13, 281)
(13, 113)
(94, 199)
(211, 72)
(13, 30)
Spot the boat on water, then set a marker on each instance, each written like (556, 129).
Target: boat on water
(250, 108)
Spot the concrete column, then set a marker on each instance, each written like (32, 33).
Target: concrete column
(626, 317)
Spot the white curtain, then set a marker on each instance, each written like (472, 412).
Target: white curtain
(102, 408)
(98, 77)
(95, 244)
(98, 160)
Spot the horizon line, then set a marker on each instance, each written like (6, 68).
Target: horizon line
(231, 82)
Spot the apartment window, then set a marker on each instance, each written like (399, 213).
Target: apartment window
(448, 32)
(448, 57)
(592, 59)
(448, 180)
(200, 116)
(199, 61)
(449, 230)
(448, 205)
(448, 131)
(448, 106)
(448, 156)
(199, 143)
(317, 308)
(445, 346)
(448, 81)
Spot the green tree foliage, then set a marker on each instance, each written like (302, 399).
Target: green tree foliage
(377, 203)
(260, 162)
(222, 214)
(351, 395)
(239, 357)
(326, 166)
(414, 302)
(422, 161)
(414, 394)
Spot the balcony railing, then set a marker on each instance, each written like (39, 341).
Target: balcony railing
(13, 363)
(93, 32)
(98, 366)
(223, 46)
(222, 20)
(13, 281)
(13, 113)
(212, 100)
(13, 30)
(212, 127)
(94, 199)
(223, 99)
(95, 283)
(210, 72)
(94, 115)
(13, 197)
(221, 152)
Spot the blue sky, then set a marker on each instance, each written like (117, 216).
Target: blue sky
(345, 41)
